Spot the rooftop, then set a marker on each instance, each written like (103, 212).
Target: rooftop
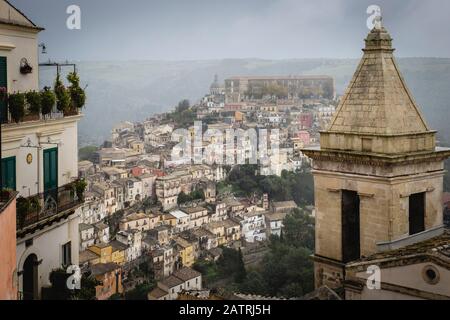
(186, 274)
(284, 204)
(102, 268)
(171, 281)
(178, 214)
(157, 293)
(437, 247)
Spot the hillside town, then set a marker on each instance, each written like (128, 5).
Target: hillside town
(153, 211)
(141, 205)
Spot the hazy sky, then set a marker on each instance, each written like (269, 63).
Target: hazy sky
(216, 29)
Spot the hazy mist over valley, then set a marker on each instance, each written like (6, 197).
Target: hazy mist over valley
(134, 90)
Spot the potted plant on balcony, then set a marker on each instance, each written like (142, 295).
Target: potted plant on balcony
(77, 94)
(27, 209)
(23, 207)
(80, 187)
(16, 106)
(48, 100)
(62, 96)
(34, 102)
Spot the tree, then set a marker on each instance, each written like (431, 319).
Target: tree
(299, 229)
(140, 292)
(183, 105)
(60, 291)
(183, 198)
(240, 273)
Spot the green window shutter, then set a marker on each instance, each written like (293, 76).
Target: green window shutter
(9, 173)
(3, 83)
(50, 169)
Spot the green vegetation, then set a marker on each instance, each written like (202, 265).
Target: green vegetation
(287, 269)
(77, 95)
(194, 195)
(184, 116)
(59, 290)
(230, 265)
(62, 95)
(86, 153)
(16, 106)
(113, 221)
(140, 292)
(34, 100)
(297, 186)
(48, 100)
(208, 269)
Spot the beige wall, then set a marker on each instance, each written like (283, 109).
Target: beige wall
(409, 276)
(384, 207)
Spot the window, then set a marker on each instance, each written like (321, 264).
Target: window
(431, 275)
(416, 213)
(350, 226)
(67, 254)
(9, 173)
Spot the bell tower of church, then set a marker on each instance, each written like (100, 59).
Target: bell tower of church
(378, 173)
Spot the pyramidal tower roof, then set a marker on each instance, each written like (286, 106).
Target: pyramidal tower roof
(378, 114)
(377, 100)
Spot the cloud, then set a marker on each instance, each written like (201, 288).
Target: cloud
(213, 29)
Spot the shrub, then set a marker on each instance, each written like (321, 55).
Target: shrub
(16, 105)
(77, 94)
(80, 187)
(62, 96)
(34, 100)
(48, 100)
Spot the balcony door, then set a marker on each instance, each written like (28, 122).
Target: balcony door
(51, 176)
(4, 84)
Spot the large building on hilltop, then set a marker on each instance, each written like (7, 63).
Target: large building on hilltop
(291, 87)
(378, 188)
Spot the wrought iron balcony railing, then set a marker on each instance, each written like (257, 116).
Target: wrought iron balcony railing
(44, 206)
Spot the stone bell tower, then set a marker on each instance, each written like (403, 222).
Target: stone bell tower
(378, 173)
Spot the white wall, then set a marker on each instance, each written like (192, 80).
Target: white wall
(47, 245)
(16, 44)
(62, 133)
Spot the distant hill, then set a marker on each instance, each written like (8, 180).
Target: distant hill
(134, 90)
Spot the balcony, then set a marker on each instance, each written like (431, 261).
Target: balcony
(43, 209)
(6, 119)
(6, 198)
